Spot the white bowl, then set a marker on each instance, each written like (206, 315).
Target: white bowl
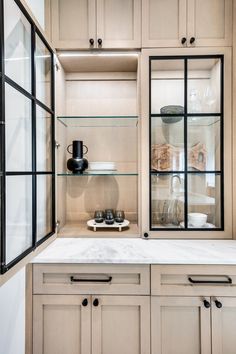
(97, 165)
(197, 219)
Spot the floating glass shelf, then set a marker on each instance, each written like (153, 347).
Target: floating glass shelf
(197, 120)
(97, 173)
(99, 121)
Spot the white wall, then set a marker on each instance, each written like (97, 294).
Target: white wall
(37, 7)
(12, 315)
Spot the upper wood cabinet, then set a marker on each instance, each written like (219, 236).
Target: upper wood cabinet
(81, 24)
(188, 23)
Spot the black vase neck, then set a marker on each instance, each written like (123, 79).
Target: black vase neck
(77, 149)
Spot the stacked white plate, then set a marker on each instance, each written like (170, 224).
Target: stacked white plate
(102, 166)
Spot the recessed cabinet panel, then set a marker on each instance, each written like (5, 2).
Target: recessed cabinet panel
(17, 36)
(164, 23)
(180, 326)
(18, 131)
(73, 23)
(119, 23)
(210, 22)
(223, 326)
(61, 325)
(121, 325)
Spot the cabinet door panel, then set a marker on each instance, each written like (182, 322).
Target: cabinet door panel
(119, 23)
(164, 23)
(210, 22)
(180, 326)
(223, 326)
(120, 324)
(73, 23)
(61, 325)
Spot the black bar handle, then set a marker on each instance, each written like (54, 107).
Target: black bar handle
(95, 302)
(228, 281)
(218, 304)
(81, 280)
(183, 40)
(206, 304)
(85, 302)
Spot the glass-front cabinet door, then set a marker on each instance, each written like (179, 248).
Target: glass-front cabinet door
(187, 145)
(27, 168)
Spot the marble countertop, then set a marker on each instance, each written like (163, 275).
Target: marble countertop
(138, 251)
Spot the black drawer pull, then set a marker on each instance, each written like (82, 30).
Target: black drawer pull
(95, 302)
(83, 280)
(192, 40)
(183, 40)
(227, 281)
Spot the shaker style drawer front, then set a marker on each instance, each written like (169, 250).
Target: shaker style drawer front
(193, 280)
(89, 279)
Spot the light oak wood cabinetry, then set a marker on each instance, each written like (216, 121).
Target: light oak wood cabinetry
(91, 323)
(181, 23)
(81, 24)
(188, 313)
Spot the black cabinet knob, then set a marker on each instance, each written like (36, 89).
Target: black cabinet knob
(145, 235)
(99, 41)
(85, 302)
(206, 304)
(183, 40)
(192, 40)
(95, 302)
(91, 41)
(218, 304)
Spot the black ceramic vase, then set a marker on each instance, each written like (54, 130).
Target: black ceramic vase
(77, 164)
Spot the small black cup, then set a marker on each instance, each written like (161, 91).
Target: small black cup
(109, 218)
(99, 216)
(119, 216)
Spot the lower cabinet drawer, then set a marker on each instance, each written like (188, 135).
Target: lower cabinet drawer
(193, 280)
(91, 279)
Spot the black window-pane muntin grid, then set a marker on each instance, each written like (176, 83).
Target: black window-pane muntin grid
(186, 172)
(34, 173)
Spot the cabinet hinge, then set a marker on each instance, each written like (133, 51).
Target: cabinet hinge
(57, 224)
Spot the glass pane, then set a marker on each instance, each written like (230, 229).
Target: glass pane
(43, 73)
(204, 201)
(204, 89)
(18, 131)
(18, 215)
(204, 143)
(44, 140)
(167, 86)
(44, 205)
(167, 139)
(17, 36)
(167, 200)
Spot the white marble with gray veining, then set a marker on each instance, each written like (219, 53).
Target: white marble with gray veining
(138, 251)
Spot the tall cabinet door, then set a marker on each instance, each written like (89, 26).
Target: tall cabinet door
(223, 326)
(164, 23)
(62, 325)
(121, 324)
(210, 22)
(119, 23)
(73, 23)
(180, 326)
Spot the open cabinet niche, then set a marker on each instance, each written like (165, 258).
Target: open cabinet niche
(97, 103)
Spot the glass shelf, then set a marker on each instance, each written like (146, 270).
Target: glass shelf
(98, 121)
(196, 120)
(97, 173)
